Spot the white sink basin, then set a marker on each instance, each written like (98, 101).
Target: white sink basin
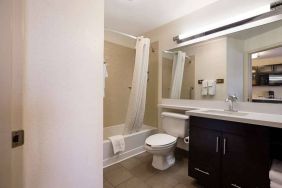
(226, 112)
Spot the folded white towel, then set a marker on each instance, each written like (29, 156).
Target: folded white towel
(118, 143)
(204, 90)
(275, 185)
(275, 173)
(211, 87)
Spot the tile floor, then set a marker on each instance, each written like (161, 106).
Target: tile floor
(137, 172)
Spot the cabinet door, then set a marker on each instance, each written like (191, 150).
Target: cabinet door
(244, 161)
(204, 156)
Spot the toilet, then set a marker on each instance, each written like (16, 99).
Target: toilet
(162, 145)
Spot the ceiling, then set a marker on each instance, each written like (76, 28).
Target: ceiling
(253, 32)
(272, 53)
(139, 16)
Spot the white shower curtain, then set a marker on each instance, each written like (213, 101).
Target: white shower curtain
(177, 74)
(137, 99)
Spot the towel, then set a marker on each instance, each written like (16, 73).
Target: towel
(275, 173)
(204, 87)
(211, 87)
(118, 143)
(275, 185)
(106, 75)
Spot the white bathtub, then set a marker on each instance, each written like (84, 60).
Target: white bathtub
(134, 143)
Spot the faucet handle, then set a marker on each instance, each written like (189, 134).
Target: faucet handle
(232, 98)
(235, 98)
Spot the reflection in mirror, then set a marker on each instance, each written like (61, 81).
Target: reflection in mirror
(223, 66)
(267, 76)
(207, 64)
(178, 75)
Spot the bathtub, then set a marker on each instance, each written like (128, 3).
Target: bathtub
(134, 143)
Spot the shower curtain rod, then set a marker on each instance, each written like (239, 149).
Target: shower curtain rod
(121, 33)
(169, 52)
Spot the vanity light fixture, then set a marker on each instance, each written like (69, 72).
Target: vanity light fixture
(258, 17)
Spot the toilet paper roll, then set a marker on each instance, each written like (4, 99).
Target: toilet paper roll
(186, 140)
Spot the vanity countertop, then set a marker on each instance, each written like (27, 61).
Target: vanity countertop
(269, 120)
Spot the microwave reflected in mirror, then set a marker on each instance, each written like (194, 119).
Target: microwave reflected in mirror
(267, 76)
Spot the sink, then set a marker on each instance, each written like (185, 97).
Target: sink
(226, 112)
(190, 109)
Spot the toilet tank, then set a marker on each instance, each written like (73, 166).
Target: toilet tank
(174, 124)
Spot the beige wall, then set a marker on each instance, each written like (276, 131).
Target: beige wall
(188, 78)
(188, 84)
(6, 89)
(63, 94)
(17, 88)
(210, 64)
(11, 58)
(119, 39)
(166, 76)
(120, 66)
(151, 111)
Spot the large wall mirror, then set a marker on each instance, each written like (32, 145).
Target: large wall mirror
(247, 64)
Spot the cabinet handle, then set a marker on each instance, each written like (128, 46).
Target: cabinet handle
(224, 146)
(204, 172)
(234, 185)
(217, 142)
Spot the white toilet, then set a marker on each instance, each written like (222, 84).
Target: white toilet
(162, 145)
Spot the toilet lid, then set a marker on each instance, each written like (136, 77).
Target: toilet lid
(160, 139)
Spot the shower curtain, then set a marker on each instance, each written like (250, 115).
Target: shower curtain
(177, 75)
(137, 99)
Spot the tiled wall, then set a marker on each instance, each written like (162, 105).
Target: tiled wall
(120, 66)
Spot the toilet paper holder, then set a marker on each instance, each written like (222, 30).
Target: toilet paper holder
(186, 140)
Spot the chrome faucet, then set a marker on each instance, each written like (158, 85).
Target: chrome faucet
(231, 99)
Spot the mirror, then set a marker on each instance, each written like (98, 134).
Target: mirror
(178, 75)
(228, 65)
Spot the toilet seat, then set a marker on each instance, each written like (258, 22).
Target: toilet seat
(160, 140)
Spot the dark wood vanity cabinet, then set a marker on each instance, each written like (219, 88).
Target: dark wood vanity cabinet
(228, 154)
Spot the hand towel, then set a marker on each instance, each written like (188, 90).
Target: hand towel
(106, 75)
(275, 185)
(118, 143)
(204, 87)
(275, 173)
(211, 87)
